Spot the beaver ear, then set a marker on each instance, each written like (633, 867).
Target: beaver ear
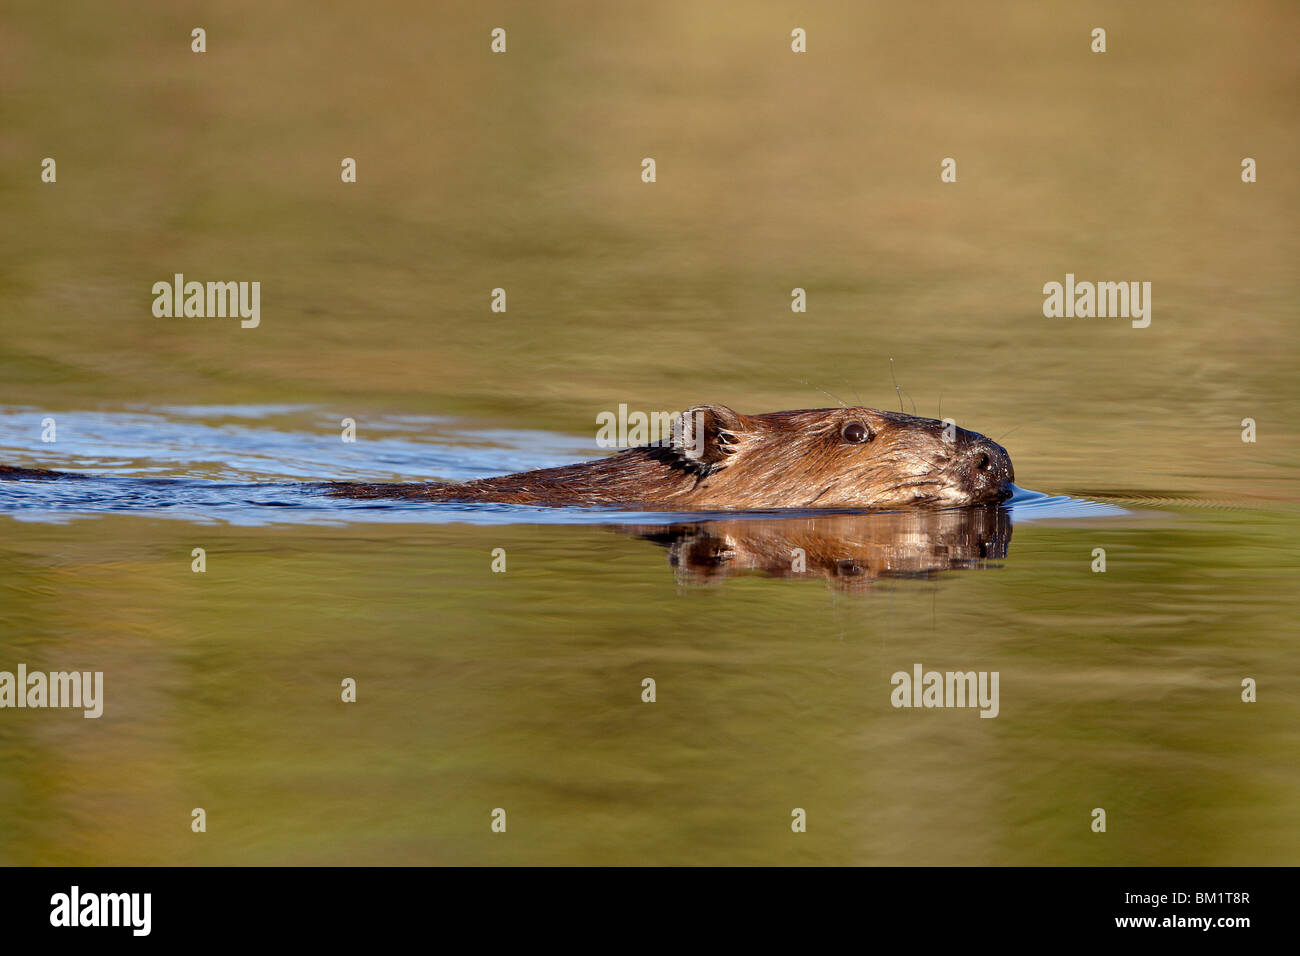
(704, 436)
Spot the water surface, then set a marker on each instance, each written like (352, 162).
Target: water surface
(523, 689)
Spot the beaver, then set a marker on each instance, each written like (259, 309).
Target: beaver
(721, 460)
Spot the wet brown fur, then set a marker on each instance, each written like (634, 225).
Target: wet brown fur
(794, 459)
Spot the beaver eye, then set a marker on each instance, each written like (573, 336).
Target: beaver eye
(855, 432)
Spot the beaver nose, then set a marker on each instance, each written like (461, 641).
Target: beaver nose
(992, 464)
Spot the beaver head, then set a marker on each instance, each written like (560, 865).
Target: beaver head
(835, 458)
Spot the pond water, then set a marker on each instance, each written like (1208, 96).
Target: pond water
(479, 689)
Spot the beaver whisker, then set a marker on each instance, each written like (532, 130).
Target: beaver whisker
(802, 381)
(897, 390)
(929, 463)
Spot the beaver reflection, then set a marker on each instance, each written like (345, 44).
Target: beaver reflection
(850, 550)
